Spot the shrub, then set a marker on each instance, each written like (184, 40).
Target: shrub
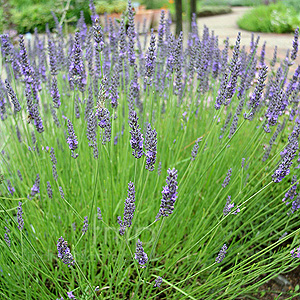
(276, 18)
(155, 174)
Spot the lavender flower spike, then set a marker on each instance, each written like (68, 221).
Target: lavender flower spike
(195, 149)
(128, 209)
(227, 178)
(12, 96)
(19, 216)
(36, 186)
(221, 254)
(85, 225)
(169, 195)
(99, 215)
(6, 237)
(158, 281)
(140, 255)
(136, 141)
(295, 45)
(150, 147)
(72, 139)
(64, 252)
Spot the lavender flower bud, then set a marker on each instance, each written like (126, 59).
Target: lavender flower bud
(12, 96)
(64, 252)
(11, 189)
(99, 215)
(131, 35)
(85, 225)
(136, 141)
(55, 93)
(36, 186)
(195, 149)
(273, 62)
(140, 255)
(295, 253)
(227, 178)
(52, 156)
(129, 209)
(169, 195)
(228, 206)
(61, 192)
(295, 45)
(159, 169)
(20, 175)
(49, 190)
(221, 254)
(150, 147)
(72, 139)
(158, 281)
(150, 59)
(74, 226)
(19, 216)
(6, 237)
(71, 296)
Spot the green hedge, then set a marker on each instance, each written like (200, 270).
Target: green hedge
(277, 18)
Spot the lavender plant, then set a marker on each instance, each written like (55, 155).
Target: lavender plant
(102, 88)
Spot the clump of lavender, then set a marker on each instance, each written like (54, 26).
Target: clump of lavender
(36, 186)
(64, 252)
(227, 178)
(150, 147)
(129, 209)
(6, 236)
(20, 217)
(158, 281)
(140, 255)
(99, 215)
(221, 254)
(85, 225)
(169, 195)
(72, 140)
(195, 149)
(136, 141)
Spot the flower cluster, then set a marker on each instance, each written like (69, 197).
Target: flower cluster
(64, 252)
(140, 255)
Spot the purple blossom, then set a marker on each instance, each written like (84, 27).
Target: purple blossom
(295, 253)
(36, 186)
(6, 236)
(169, 195)
(227, 178)
(150, 147)
(72, 139)
(20, 217)
(137, 139)
(85, 225)
(228, 206)
(158, 281)
(99, 215)
(11, 189)
(12, 96)
(55, 93)
(49, 190)
(71, 296)
(221, 254)
(129, 209)
(295, 44)
(64, 252)
(195, 149)
(140, 255)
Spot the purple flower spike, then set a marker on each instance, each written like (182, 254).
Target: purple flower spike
(158, 281)
(19, 216)
(169, 195)
(150, 147)
(295, 45)
(71, 296)
(72, 139)
(12, 96)
(136, 141)
(221, 254)
(64, 252)
(36, 186)
(128, 209)
(228, 206)
(227, 178)
(140, 255)
(85, 225)
(6, 237)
